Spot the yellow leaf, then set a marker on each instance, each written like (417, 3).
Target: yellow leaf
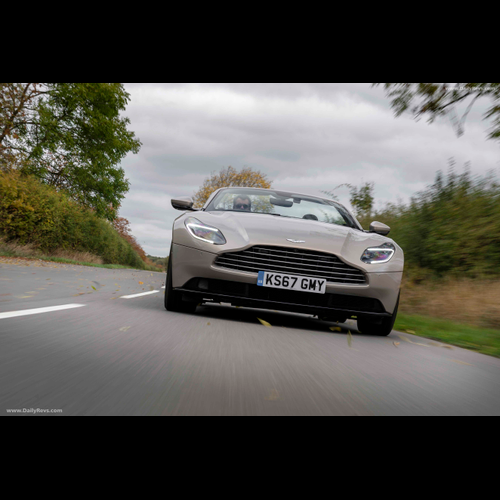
(349, 338)
(460, 362)
(335, 329)
(265, 323)
(273, 396)
(141, 283)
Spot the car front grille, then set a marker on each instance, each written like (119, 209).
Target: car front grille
(292, 261)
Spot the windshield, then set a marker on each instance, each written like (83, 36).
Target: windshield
(281, 204)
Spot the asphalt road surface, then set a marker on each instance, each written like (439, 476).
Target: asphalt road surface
(113, 349)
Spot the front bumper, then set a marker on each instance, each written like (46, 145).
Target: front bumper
(194, 273)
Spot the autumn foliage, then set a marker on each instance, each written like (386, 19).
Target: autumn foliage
(34, 214)
(122, 227)
(71, 136)
(60, 176)
(230, 177)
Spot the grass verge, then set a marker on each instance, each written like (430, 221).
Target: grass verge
(7, 253)
(483, 340)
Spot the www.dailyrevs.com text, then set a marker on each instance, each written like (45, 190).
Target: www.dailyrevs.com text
(33, 411)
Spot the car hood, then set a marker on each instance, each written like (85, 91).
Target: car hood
(243, 230)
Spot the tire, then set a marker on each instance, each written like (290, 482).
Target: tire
(173, 299)
(378, 329)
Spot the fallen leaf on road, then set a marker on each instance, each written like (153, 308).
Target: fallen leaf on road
(125, 328)
(461, 362)
(93, 287)
(410, 331)
(414, 343)
(141, 283)
(335, 329)
(208, 323)
(265, 323)
(273, 396)
(349, 338)
(396, 343)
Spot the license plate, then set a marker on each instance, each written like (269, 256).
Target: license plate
(291, 282)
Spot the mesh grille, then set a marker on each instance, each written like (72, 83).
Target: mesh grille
(292, 261)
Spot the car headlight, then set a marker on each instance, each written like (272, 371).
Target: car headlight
(378, 255)
(203, 232)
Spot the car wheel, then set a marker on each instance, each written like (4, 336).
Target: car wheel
(173, 299)
(379, 329)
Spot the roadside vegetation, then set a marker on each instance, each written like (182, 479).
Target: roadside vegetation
(61, 183)
(38, 221)
(451, 237)
(483, 340)
(159, 261)
(450, 233)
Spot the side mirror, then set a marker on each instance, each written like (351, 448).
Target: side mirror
(183, 204)
(379, 228)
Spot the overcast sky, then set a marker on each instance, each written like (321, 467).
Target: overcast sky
(305, 137)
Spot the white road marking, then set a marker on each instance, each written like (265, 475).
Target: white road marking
(27, 312)
(138, 295)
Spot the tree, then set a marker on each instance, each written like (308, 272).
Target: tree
(16, 101)
(361, 199)
(438, 99)
(70, 136)
(122, 227)
(230, 177)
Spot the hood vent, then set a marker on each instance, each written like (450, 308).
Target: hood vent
(292, 261)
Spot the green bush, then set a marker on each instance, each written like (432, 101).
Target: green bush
(38, 215)
(451, 229)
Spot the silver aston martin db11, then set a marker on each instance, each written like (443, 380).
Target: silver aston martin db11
(286, 251)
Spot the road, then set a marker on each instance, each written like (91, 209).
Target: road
(116, 351)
